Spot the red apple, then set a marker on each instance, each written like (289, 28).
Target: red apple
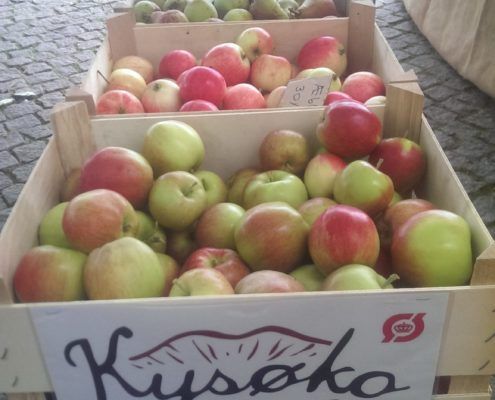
(118, 102)
(139, 64)
(363, 85)
(198, 105)
(343, 235)
(243, 96)
(230, 60)
(269, 72)
(161, 95)
(335, 96)
(320, 174)
(202, 83)
(226, 261)
(324, 51)
(175, 63)
(255, 41)
(201, 282)
(313, 208)
(127, 79)
(268, 282)
(121, 170)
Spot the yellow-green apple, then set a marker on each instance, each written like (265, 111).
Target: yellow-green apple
(255, 41)
(143, 10)
(177, 199)
(50, 273)
(395, 198)
(376, 101)
(151, 233)
(323, 51)
(70, 188)
(127, 79)
(363, 85)
(433, 248)
(401, 159)
(230, 60)
(361, 185)
(215, 227)
(215, 188)
(335, 96)
(268, 281)
(201, 282)
(237, 183)
(243, 96)
(269, 72)
(170, 270)
(349, 129)
(285, 150)
(275, 185)
(320, 174)
(316, 9)
(202, 83)
(198, 105)
(227, 261)
(161, 95)
(272, 236)
(274, 98)
(180, 244)
(139, 64)
(174, 5)
(357, 277)
(118, 102)
(50, 230)
(335, 83)
(99, 216)
(309, 276)
(267, 9)
(343, 235)
(119, 169)
(238, 14)
(313, 208)
(224, 6)
(173, 146)
(200, 10)
(174, 63)
(123, 269)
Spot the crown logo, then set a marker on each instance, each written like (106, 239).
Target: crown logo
(403, 327)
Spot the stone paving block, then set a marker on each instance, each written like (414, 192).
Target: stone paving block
(7, 160)
(5, 181)
(439, 93)
(29, 152)
(36, 68)
(22, 122)
(485, 204)
(21, 173)
(36, 132)
(23, 108)
(11, 193)
(4, 214)
(484, 119)
(9, 140)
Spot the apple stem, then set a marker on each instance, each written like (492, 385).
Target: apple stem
(379, 163)
(103, 76)
(391, 279)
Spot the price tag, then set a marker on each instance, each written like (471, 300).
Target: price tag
(306, 92)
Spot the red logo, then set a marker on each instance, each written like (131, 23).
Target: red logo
(403, 327)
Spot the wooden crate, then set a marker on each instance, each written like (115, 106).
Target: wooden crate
(366, 47)
(231, 140)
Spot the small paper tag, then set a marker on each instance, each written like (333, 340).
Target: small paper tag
(306, 92)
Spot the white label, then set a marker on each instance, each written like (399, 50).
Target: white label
(306, 92)
(317, 347)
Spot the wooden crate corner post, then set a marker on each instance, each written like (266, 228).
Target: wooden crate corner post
(121, 38)
(361, 36)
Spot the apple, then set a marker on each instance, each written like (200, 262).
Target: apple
(268, 281)
(99, 216)
(376, 101)
(226, 261)
(383, 265)
(172, 146)
(224, 6)
(320, 174)
(143, 10)
(180, 244)
(363, 85)
(349, 129)
(237, 183)
(198, 105)
(243, 96)
(201, 282)
(174, 63)
(215, 227)
(200, 10)
(255, 41)
(274, 98)
(119, 169)
(313, 208)
(401, 159)
(215, 188)
(335, 83)
(343, 235)
(161, 95)
(50, 273)
(150, 233)
(285, 150)
(335, 96)
(275, 185)
(170, 270)
(309, 276)
(272, 236)
(230, 60)
(356, 277)
(202, 83)
(323, 51)
(177, 199)
(269, 72)
(128, 80)
(433, 248)
(123, 269)
(50, 230)
(139, 64)
(169, 16)
(70, 188)
(118, 102)
(238, 14)
(361, 185)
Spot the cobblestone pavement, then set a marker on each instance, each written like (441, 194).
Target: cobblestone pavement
(47, 46)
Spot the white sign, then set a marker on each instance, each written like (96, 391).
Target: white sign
(306, 92)
(314, 347)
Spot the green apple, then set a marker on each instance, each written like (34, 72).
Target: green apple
(255, 41)
(177, 199)
(238, 14)
(309, 276)
(357, 277)
(335, 83)
(275, 185)
(320, 174)
(201, 282)
(237, 183)
(200, 10)
(215, 188)
(150, 232)
(174, 5)
(50, 230)
(143, 10)
(224, 6)
(173, 146)
(313, 208)
(170, 269)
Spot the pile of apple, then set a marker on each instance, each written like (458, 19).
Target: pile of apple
(153, 223)
(170, 11)
(231, 76)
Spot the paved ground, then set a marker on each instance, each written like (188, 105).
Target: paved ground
(47, 45)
